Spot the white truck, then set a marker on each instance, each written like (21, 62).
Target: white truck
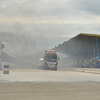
(40, 63)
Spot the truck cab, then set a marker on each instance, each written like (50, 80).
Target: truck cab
(50, 59)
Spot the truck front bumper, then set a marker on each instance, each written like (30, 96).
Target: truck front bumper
(51, 67)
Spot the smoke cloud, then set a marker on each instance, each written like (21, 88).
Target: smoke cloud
(22, 46)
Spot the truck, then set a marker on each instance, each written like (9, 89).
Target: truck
(50, 60)
(40, 63)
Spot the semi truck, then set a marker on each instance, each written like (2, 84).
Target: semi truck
(50, 60)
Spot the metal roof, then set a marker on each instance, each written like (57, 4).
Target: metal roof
(90, 34)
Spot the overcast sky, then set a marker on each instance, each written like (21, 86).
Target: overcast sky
(49, 22)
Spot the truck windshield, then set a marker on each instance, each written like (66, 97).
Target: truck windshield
(51, 58)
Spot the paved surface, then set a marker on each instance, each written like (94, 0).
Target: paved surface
(50, 91)
(49, 85)
(48, 76)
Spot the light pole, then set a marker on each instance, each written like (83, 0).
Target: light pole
(2, 46)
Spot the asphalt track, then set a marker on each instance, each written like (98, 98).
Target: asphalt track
(49, 85)
(47, 76)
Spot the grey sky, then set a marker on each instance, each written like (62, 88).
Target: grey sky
(49, 22)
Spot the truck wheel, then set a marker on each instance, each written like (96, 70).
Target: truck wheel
(43, 68)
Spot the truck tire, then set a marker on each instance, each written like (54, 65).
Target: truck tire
(43, 68)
